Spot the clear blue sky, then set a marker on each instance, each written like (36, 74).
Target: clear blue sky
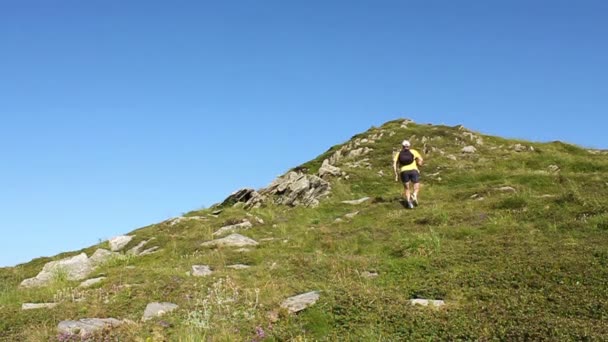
(119, 114)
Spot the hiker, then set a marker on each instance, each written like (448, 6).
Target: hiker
(407, 162)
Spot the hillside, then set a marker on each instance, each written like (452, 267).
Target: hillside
(512, 236)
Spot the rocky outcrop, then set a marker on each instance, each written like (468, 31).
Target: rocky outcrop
(249, 196)
(157, 309)
(300, 302)
(86, 326)
(138, 250)
(297, 188)
(119, 242)
(75, 268)
(233, 240)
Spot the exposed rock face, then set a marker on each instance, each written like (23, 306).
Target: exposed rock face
(250, 197)
(34, 306)
(232, 228)
(233, 240)
(119, 242)
(297, 188)
(201, 270)
(102, 255)
(87, 326)
(427, 302)
(329, 170)
(91, 282)
(76, 268)
(158, 309)
(300, 302)
(469, 149)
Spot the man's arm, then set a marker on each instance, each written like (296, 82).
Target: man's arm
(419, 161)
(395, 168)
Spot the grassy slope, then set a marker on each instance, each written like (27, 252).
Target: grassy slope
(514, 266)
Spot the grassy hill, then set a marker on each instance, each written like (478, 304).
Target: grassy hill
(513, 237)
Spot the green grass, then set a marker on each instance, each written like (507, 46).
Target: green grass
(524, 265)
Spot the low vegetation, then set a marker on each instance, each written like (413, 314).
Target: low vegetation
(515, 243)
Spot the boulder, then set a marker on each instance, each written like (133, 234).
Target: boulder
(34, 306)
(87, 326)
(119, 242)
(201, 270)
(234, 227)
(297, 188)
(233, 240)
(300, 302)
(76, 268)
(157, 309)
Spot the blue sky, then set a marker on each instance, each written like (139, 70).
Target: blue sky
(119, 114)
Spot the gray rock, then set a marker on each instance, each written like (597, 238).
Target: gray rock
(234, 227)
(406, 122)
(359, 152)
(149, 251)
(469, 149)
(76, 268)
(233, 240)
(119, 242)
(250, 197)
(296, 188)
(138, 249)
(356, 202)
(519, 148)
(91, 282)
(157, 309)
(351, 215)
(177, 220)
(257, 219)
(201, 270)
(329, 170)
(506, 189)
(238, 266)
(87, 326)
(427, 302)
(451, 157)
(34, 306)
(300, 302)
(553, 168)
(101, 256)
(368, 274)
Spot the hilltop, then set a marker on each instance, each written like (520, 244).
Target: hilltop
(510, 242)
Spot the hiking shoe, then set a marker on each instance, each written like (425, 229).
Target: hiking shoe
(410, 205)
(414, 199)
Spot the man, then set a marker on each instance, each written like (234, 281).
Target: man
(407, 162)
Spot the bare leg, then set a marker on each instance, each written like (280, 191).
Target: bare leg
(416, 189)
(406, 191)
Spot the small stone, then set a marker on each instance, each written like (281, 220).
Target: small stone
(34, 306)
(427, 302)
(238, 266)
(553, 168)
(355, 202)
(368, 274)
(351, 215)
(201, 270)
(451, 157)
(506, 189)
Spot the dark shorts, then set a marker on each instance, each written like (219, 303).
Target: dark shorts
(410, 176)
